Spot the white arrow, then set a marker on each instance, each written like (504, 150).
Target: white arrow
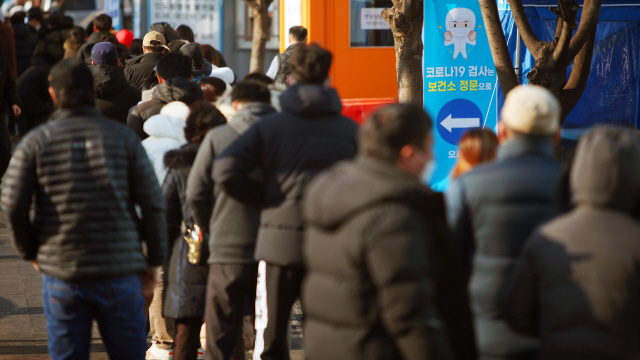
(450, 123)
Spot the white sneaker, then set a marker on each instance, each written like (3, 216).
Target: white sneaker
(200, 353)
(158, 354)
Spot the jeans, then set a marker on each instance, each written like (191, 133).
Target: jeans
(115, 303)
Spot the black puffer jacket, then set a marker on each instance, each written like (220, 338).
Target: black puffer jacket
(8, 91)
(26, 41)
(84, 53)
(86, 173)
(186, 283)
(291, 147)
(175, 89)
(33, 88)
(114, 96)
(577, 284)
(141, 68)
(52, 40)
(232, 226)
(381, 281)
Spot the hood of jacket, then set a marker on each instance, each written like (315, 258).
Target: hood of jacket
(353, 186)
(144, 58)
(109, 80)
(178, 89)
(52, 32)
(181, 159)
(248, 115)
(606, 169)
(163, 126)
(22, 31)
(311, 101)
(94, 38)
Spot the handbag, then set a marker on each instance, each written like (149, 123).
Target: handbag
(194, 238)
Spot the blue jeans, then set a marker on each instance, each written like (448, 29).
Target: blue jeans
(116, 304)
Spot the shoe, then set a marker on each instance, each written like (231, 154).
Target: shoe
(200, 353)
(159, 354)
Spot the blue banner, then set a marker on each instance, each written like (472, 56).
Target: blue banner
(459, 79)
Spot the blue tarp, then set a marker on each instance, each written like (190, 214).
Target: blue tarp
(612, 93)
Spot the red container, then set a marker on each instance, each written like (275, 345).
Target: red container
(359, 110)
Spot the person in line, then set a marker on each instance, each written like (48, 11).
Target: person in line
(85, 175)
(477, 146)
(213, 56)
(186, 283)
(33, 89)
(380, 282)
(26, 40)
(290, 147)
(75, 42)
(113, 95)
(135, 48)
(194, 52)
(212, 87)
(8, 100)
(52, 37)
(142, 67)
(574, 285)
(166, 30)
(279, 70)
(231, 225)
(174, 76)
(102, 26)
(185, 33)
(495, 208)
(35, 18)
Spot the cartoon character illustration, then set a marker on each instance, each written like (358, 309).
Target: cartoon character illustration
(460, 23)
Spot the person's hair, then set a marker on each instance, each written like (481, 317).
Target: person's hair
(67, 20)
(135, 48)
(109, 38)
(18, 18)
(53, 21)
(35, 13)
(210, 54)
(310, 64)
(185, 33)
(78, 35)
(74, 97)
(102, 22)
(175, 45)
(155, 49)
(251, 91)
(299, 33)
(212, 87)
(391, 128)
(476, 147)
(202, 118)
(174, 65)
(259, 77)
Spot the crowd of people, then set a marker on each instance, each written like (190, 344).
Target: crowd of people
(152, 187)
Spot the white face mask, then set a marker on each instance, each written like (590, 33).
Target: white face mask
(427, 172)
(460, 32)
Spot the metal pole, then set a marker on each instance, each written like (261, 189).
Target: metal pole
(518, 52)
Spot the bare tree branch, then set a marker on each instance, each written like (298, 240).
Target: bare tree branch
(498, 44)
(530, 39)
(579, 76)
(588, 21)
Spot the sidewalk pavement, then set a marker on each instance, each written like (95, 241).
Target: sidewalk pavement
(23, 333)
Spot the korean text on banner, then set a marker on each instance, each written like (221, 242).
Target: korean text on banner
(460, 79)
(202, 16)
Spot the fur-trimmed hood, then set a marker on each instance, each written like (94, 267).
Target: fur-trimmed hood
(181, 159)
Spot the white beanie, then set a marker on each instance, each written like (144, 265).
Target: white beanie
(225, 74)
(531, 110)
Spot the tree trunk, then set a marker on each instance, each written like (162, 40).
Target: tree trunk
(261, 30)
(405, 19)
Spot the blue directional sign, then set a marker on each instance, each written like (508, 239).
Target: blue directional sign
(460, 81)
(457, 117)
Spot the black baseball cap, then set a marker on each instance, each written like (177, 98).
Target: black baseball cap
(196, 54)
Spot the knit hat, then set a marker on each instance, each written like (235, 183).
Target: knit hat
(531, 110)
(193, 51)
(125, 37)
(71, 73)
(104, 53)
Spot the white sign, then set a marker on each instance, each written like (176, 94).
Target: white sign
(370, 19)
(202, 16)
(292, 17)
(112, 8)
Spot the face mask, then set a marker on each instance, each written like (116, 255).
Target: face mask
(427, 172)
(461, 32)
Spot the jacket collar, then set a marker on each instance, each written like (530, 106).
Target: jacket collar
(83, 111)
(248, 115)
(524, 146)
(384, 169)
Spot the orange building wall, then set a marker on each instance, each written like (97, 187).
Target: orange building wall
(356, 72)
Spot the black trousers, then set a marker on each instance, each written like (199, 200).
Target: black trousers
(228, 288)
(278, 288)
(186, 337)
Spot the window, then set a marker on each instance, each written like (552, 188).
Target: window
(368, 28)
(244, 23)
